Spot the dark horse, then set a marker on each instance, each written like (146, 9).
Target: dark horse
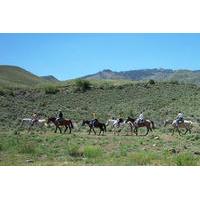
(146, 123)
(65, 122)
(95, 124)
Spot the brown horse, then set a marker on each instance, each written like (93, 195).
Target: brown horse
(65, 122)
(147, 123)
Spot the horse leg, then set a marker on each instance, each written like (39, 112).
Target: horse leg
(70, 130)
(94, 131)
(173, 131)
(179, 132)
(90, 131)
(60, 129)
(56, 130)
(66, 127)
(147, 132)
(136, 131)
(186, 131)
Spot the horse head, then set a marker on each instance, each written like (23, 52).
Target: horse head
(83, 123)
(129, 119)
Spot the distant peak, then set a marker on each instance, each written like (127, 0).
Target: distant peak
(107, 70)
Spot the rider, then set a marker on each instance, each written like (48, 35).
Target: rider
(120, 120)
(179, 118)
(60, 116)
(140, 119)
(94, 120)
(34, 118)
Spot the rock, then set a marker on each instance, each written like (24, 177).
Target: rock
(154, 145)
(156, 138)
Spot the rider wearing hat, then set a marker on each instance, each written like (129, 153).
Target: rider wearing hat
(60, 116)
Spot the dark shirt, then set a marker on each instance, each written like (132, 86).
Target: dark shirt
(60, 115)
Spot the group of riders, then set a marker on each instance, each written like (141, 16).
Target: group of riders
(179, 119)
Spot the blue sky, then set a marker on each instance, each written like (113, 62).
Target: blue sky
(69, 56)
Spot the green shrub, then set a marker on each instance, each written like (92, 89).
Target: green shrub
(92, 152)
(174, 82)
(142, 158)
(51, 90)
(82, 85)
(74, 150)
(185, 159)
(151, 82)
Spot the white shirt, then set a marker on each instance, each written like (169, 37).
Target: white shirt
(180, 115)
(141, 116)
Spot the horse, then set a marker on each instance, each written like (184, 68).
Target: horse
(40, 122)
(146, 123)
(186, 124)
(65, 122)
(94, 124)
(116, 123)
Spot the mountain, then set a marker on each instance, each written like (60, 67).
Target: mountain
(132, 74)
(187, 76)
(18, 77)
(50, 78)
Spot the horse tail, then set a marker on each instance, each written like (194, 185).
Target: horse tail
(153, 125)
(72, 126)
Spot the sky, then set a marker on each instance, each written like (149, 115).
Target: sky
(69, 55)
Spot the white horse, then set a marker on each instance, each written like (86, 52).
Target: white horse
(186, 124)
(29, 122)
(116, 124)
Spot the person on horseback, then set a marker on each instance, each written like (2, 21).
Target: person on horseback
(140, 119)
(120, 120)
(60, 116)
(93, 122)
(180, 118)
(34, 118)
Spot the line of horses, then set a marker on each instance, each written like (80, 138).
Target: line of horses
(114, 123)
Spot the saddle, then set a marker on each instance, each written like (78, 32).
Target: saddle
(180, 121)
(140, 122)
(60, 120)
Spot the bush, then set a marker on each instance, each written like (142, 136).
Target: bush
(151, 82)
(185, 160)
(143, 158)
(92, 152)
(174, 82)
(82, 85)
(74, 150)
(51, 90)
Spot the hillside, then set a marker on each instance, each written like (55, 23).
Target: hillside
(15, 76)
(160, 101)
(186, 76)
